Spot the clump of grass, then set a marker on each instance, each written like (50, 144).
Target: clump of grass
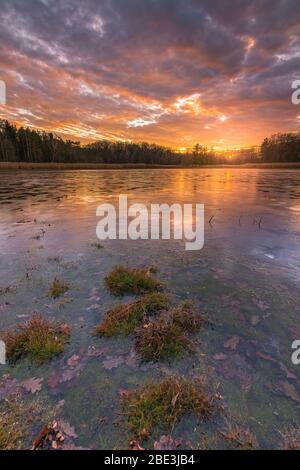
(97, 245)
(37, 339)
(186, 317)
(123, 319)
(123, 280)
(161, 339)
(58, 288)
(164, 404)
(165, 337)
(240, 437)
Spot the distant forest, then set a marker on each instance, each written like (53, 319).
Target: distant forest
(31, 145)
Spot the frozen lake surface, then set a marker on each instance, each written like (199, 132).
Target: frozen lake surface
(245, 280)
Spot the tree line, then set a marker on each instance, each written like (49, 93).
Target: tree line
(31, 145)
(25, 144)
(281, 148)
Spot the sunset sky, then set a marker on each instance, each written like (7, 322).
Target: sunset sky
(174, 72)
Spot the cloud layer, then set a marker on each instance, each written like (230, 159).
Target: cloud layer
(175, 72)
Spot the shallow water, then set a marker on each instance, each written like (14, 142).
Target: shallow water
(245, 280)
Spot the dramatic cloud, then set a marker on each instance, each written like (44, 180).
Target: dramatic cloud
(175, 72)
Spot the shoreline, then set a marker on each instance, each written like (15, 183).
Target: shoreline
(136, 166)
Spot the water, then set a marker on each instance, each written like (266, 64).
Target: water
(245, 280)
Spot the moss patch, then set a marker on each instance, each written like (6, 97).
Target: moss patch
(123, 319)
(123, 280)
(57, 288)
(164, 404)
(37, 339)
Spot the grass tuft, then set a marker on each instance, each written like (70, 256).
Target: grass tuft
(123, 319)
(185, 317)
(164, 404)
(123, 280)
(57, 288)
(37, 339)
(165, 337)
(240, 437)
(161, 339)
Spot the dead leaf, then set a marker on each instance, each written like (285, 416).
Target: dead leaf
(134, 445)
(266, 357)
(131, 360)
(286, 389)
(220, 357)
(67, 429)
(112, 362)
(96, 352)
(72, 361)
(232, 342)
(167, 443)
(8, 386)
(123, 392)
(236, 367)
(94, 295)
(174, 399)
(288, 373)
(254, 320)
(53, 380)
(39, 440)
(64, 328)
(94, 307)
(260, 304)
(32, 385)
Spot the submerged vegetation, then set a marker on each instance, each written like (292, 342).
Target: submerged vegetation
(123, 319)
(240, 437)
(5, 290)
(123, 280)
(97, 245)
(291, 439)
(37, 339)
(57, 288)
(163, 404)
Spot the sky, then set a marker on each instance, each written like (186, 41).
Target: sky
(173, 72)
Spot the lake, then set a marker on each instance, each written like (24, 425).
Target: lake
(245, 281)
